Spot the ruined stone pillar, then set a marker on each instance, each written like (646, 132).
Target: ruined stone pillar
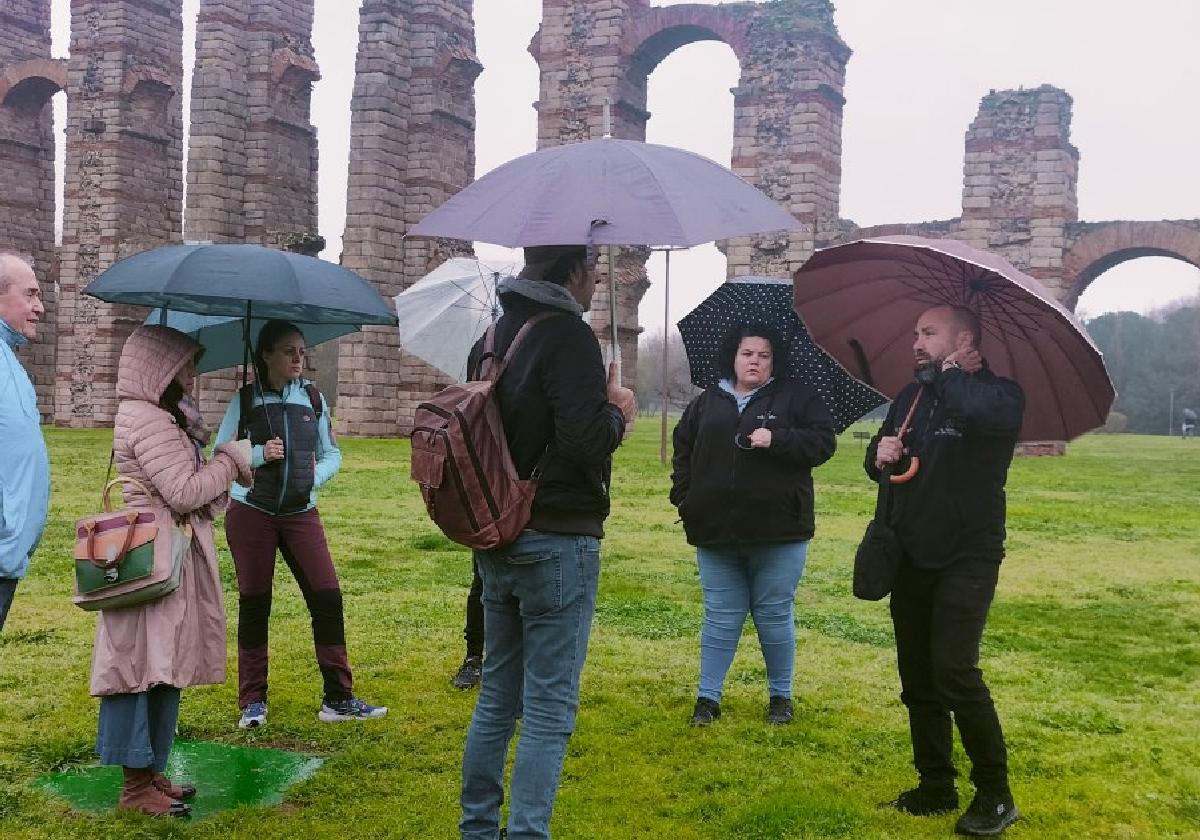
(411, 148)
(1020, 179)
(787, 134)
(28, 81)
(252, 163)
(124, 182)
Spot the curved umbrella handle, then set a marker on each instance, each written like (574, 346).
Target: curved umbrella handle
(914, 464)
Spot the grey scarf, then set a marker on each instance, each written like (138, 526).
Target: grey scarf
(541, 291)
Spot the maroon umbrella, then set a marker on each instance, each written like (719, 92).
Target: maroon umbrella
(862, 300)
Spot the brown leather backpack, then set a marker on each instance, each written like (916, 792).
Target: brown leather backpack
(460, 456)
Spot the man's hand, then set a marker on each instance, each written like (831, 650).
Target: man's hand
(760, 439)
(273, 450)
(622, 398)
(889, 451)
(965, 357)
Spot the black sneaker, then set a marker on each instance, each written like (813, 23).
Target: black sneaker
(779, 711)
(988, 815)
(706, 711)
(469, 673)
(925, 800)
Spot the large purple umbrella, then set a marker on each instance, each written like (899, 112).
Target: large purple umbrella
(861, 301)
(607, 192)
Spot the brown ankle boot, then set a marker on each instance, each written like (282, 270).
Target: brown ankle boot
(140, 794)
(173, 790)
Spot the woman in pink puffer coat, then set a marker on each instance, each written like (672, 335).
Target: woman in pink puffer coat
(145, 654)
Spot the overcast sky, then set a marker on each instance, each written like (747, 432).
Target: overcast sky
(913, 86)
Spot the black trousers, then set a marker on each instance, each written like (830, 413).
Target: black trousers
(939, 616)
(473, 632)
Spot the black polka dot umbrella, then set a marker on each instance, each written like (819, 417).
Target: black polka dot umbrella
(768, 300)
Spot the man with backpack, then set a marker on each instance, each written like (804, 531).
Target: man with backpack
(562, 419)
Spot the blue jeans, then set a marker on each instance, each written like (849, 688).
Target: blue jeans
(8, 588)
(539, 595)
(759, 579)
(138, 730)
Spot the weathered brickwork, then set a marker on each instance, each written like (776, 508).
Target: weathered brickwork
(787, 111)
(1020, 200)
(124, 182)
(412, 146)
(28, 81)
(252, 162)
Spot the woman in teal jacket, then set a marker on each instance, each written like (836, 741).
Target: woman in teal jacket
(293, 454)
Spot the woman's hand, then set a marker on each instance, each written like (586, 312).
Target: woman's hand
(760, 439)
(273, 450)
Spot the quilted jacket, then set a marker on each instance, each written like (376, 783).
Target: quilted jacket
(178, 640)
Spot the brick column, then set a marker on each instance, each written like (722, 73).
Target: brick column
(124, 182)
(28, 81)
(411, 148)
(252, 166)
(1020, 179)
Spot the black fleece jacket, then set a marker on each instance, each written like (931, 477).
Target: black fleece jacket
(726, 494)
(964, 432)
(554, 405)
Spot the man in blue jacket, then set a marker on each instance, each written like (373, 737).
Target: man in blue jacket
(24, 463)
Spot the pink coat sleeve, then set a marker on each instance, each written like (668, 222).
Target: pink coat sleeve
(168, 459)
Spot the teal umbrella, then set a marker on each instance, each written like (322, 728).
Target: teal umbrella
(224, 336)
(237, 280)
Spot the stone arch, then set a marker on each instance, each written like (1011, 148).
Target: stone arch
(1097, 247)
(32, 82)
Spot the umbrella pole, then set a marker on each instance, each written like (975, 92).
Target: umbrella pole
(615, 347)
(666, 351)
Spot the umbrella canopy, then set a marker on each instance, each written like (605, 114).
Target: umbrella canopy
(225, 279)
(223, 336)
(607, 192)
(443, 314)
(861, 301)
(769, 301)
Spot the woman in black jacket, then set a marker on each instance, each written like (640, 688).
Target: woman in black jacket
(744, 451)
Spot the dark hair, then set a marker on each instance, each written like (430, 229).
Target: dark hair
(561, 269)
(268, 337)
(169, 401)
(733, 339)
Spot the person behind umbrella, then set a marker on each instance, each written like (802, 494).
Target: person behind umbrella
(744, 451)
(294, 453)
(950, 524)
(143, 655)
(562, 420)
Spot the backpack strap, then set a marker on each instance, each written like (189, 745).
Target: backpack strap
(314, 398)
(245, 404)
(496, 365)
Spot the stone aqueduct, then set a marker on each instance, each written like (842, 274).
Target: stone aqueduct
(251, 173)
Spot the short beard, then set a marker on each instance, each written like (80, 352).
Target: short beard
(927, 373)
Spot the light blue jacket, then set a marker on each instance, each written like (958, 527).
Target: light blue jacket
(329, 457)
(24, 462)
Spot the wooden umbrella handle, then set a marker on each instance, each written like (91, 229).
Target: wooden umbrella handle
(914, 463)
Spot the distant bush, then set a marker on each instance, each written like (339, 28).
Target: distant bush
(1115, 424)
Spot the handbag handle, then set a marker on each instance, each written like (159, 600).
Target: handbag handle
(104, 564)
(107, 502)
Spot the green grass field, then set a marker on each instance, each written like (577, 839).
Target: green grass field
(1093, 654)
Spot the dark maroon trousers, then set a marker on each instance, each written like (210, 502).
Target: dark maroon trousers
(254, 538)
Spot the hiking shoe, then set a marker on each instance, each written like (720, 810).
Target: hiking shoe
(988, 815)
(253, 716)
(352, 709)
(924, 800)
(779, 711)
(705, 712)
(469, 673)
